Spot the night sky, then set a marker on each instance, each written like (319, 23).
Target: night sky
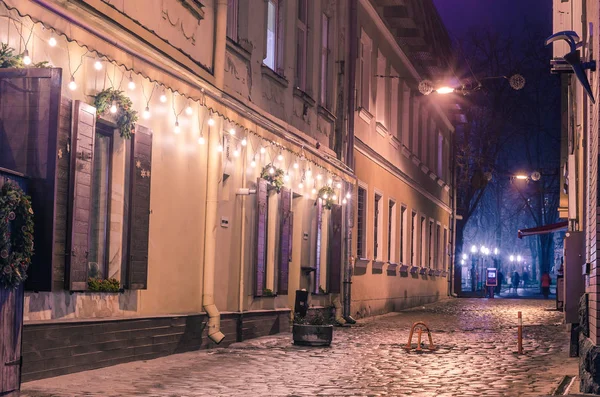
(460, 15)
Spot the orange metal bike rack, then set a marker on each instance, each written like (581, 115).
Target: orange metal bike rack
(421, 326)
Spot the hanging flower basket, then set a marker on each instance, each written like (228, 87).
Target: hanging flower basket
(273, 175)
(16, 235)
(126, 116)
(328, 197)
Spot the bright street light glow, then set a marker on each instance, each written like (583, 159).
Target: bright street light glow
(496, 251)
(519, 258)
(512, 258)
(521, 177)
(473, 249)
(464, 256)
(445, 90)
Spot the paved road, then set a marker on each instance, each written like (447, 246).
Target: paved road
(476, 357)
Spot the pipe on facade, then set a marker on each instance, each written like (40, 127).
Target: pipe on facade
(243, 192)
(210, 235)
(220, 44)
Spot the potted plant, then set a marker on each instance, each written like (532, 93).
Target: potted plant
(312, 330)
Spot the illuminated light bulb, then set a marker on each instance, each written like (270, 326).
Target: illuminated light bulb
(72, 84)
(113, 107)
(131, 84)
(177, 129)
(445, 90)
(319, 177)
(329, 181)
(232, 131)
(52, 41)
(163, 97)
(236, 152)
(334, 197)
(147, 113)
(98, 65)
(339, 185)
(262, 150)
(296, 165)
(308, 172)
(253, 163)
(286, 177)
(300, 185)
(314, 191)
(348, 195)
(244, 142)
(211, 122)
(220, 148)
(280, 156)
(26, 58)
(325, 196)
(344, 201)
(271, 170)
(201, 140)
(189, 111)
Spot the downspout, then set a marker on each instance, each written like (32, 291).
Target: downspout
(220, 43)
(452, 269)
(243, 238)
(213, 179)
(351, 62)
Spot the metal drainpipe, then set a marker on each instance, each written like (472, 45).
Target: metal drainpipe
(213, 179)
(453, 222)
(351, 62)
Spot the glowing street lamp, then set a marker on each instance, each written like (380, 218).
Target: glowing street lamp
(521, 177)
(445, 90)
(473, 249)
(512, 258)
(519, 258)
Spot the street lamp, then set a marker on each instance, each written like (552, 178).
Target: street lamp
(445, 90)
(512, 258)
(473, 249)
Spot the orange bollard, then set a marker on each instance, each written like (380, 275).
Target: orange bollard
(520, 335)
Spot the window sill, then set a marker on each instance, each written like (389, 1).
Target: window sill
(423, 271)
(392, 266)
(395, 142)
(121, 291)
(362, 262)
(381, 130)
(440, 182)
(265, 296)
(237, 48)
(276, 77)
(415, 160)
(433, 176)
(414, 269)
(405, 152)
(378, 265)
(444, 274)
(319, 293)
(431, 272)
(437, 273)
(326, 113)
(365, 115)
(403, 268)
(447, 188)
(304, 96)
(424, 168)
(308, 269)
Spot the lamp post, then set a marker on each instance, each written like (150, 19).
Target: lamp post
(473, 264)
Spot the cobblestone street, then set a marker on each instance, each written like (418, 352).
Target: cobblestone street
(476, 356)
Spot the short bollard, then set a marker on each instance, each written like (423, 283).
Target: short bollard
(421, 326)
(520, 335)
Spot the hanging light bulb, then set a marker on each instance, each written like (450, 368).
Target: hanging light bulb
(113, 107)
(308, 172)
(232, 131)
(131, 84)
(271, 170)
(280, 156)
(211, 122)
(344, 201)
(329, 181)
(26, 58)
(334, 197)
(163, 96)
(201, 140)
(98, 65)
(253, 162)
(52, 41)
(314, 190)
(72, 84)
(146, 113)
(325, 196)
(188, 110)
(262, 150)
(236, 152)
(177, 129)
(339, 185)
(244, 142)
(286, 177)
(319, 177)
(296, 165)
(348, 195)
(220, 148)
(300, 185)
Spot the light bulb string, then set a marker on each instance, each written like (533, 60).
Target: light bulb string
(20, 32)
(69, 61)
(173, 105)
(148, 99)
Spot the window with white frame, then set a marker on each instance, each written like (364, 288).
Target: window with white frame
(325, 54)
(365, 70)
(377, 232)
(440, 155)
(391, 235)
(413, 238)
(381, 99)
(232, 19)
(431, 245)
(394, 105)
(301, 44)
(423, 242)
(403, 225)
(416, 122)
(361, 219)
(424, 133)
(445, 250)
(274, 36)
(438, 242)
(405, 110)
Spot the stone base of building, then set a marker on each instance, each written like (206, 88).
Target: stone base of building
(59, 348)
(589, 366)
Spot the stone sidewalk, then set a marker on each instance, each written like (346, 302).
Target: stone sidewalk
(476, 356)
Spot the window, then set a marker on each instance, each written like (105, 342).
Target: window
(440, 155)
(424, 134)
(382, 90)
(301, 44)
(405, 118)
(360, 222)
(100, 204)
(391, 241)
(423, 242)
(232, 19)
(394, 107)
(437, 246)
(325, 51)
(274, 36)
(444, 250)
(376, 231)
(431, 244)
(402, 233)
(365, 71)
(416, 111)
(413, 237)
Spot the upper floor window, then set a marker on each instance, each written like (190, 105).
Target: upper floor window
(377, 223)
(232, 19)
(301, 44)
(325, 51)
(274, 36)
(381, 100)
(365, 70)
(361, 220)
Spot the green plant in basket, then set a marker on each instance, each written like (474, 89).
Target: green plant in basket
(126, 116)
(273, 175)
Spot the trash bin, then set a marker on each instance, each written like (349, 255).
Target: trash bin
(301, 305)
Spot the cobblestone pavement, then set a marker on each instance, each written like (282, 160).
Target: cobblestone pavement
(476, 356)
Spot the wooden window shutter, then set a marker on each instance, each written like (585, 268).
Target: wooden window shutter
(139, 204)
(261, 237)
(318, 246)
(82, 158)
(335, 249)
(285, 240)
